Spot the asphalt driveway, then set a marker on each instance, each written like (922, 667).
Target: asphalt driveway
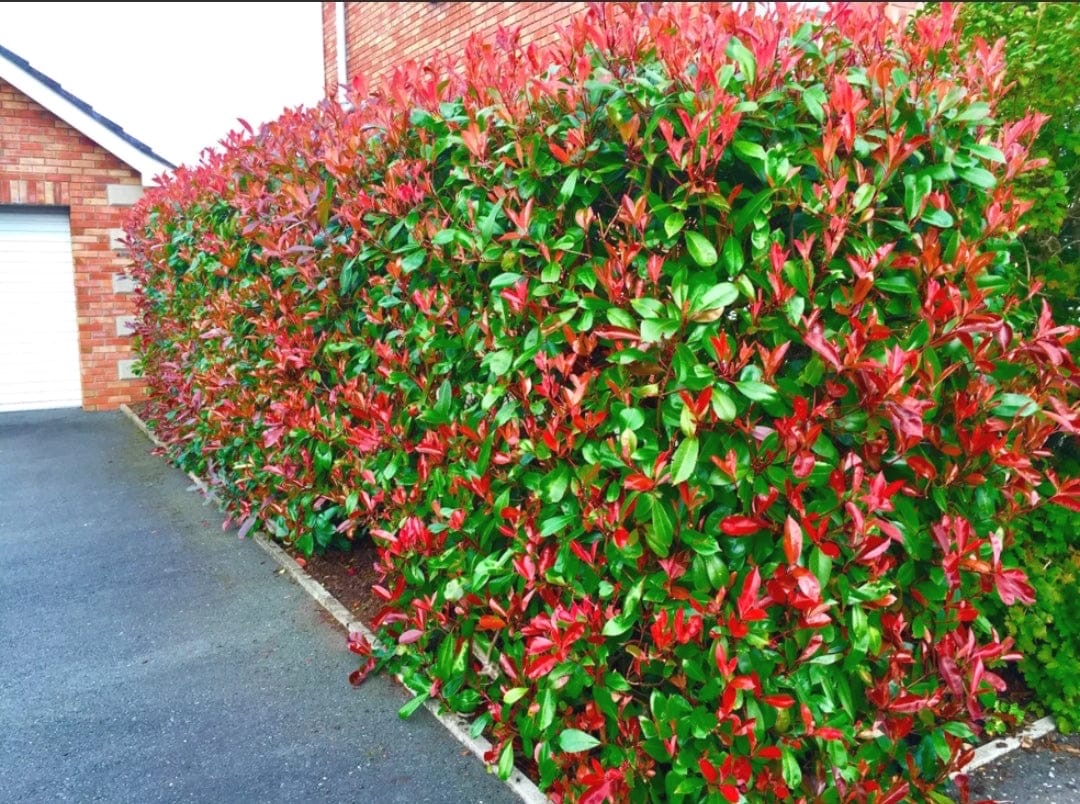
(147, 656)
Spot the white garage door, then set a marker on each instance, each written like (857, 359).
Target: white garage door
(39, 337)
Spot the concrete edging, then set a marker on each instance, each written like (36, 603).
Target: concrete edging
(988, 752)
(458, 727)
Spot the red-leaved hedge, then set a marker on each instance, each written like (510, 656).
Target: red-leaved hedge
(680, 370)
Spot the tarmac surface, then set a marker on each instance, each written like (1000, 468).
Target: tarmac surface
(1046, 772)
(147, 656)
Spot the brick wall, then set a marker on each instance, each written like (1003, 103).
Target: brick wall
(45, 161)
(379, 35)
(329, 50)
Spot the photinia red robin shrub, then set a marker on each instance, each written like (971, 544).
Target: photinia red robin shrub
(680, 373)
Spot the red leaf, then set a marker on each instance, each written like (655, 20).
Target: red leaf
(598, 794)
(616, 334)
(356, 677)
(792, 540)
(748, 596)
(803, 465)
(708, 770)
(815, 339)
(1012, 585)
(730, 792)
(740, 525)
(410, 636)
(489, 622)
(922, 467)
(896, 794)
(542, 667)
(359, 644)
(1068, 499)
(639, 483)
(779, 701)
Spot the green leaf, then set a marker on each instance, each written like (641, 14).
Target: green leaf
(814, 98)
(938, 217)
(647, 308)
(794, 309)
(722, 406)
(574, 740)
(479, 725)
(408, 709)
(732, 256)
(718, 296)
(660, 536)
(620, 318)
(684, 461)
(674, 223)
(989, 153)
(487, 224)
(901, 282)
(746, 214)
(305, 543)
(739, 53)
(413, 260)
(514, 694)
(554, 524)
(961, 730)
(617, 626)
(566, 192)
(556, 482)
(821, 565)
(756, 391)
(749, 151)
(547, 709)
(700, 249)
(1012, 405)
(974, 113)
(653, 329)
(916, 188)
(499, 362)
(505, 280)
(862, 198)
(980, 177)
(506, 760)
(789, 767)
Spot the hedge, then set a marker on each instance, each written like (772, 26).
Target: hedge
(678, 371)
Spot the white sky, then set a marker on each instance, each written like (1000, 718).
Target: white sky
(175, 75)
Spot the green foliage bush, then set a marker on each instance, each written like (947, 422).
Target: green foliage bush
(1041, 45)
(679, 373)
(1042, 49)
(1048, 633)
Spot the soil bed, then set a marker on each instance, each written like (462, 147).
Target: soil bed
(349, 576)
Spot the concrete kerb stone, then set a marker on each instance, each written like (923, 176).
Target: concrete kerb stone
(455, 724)
(995, 749)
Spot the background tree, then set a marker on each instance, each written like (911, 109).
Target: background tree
(1042, 53)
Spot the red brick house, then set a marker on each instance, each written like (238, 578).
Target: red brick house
(67, 176)
(369, 38)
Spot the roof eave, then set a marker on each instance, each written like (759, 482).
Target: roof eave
(40, 92)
